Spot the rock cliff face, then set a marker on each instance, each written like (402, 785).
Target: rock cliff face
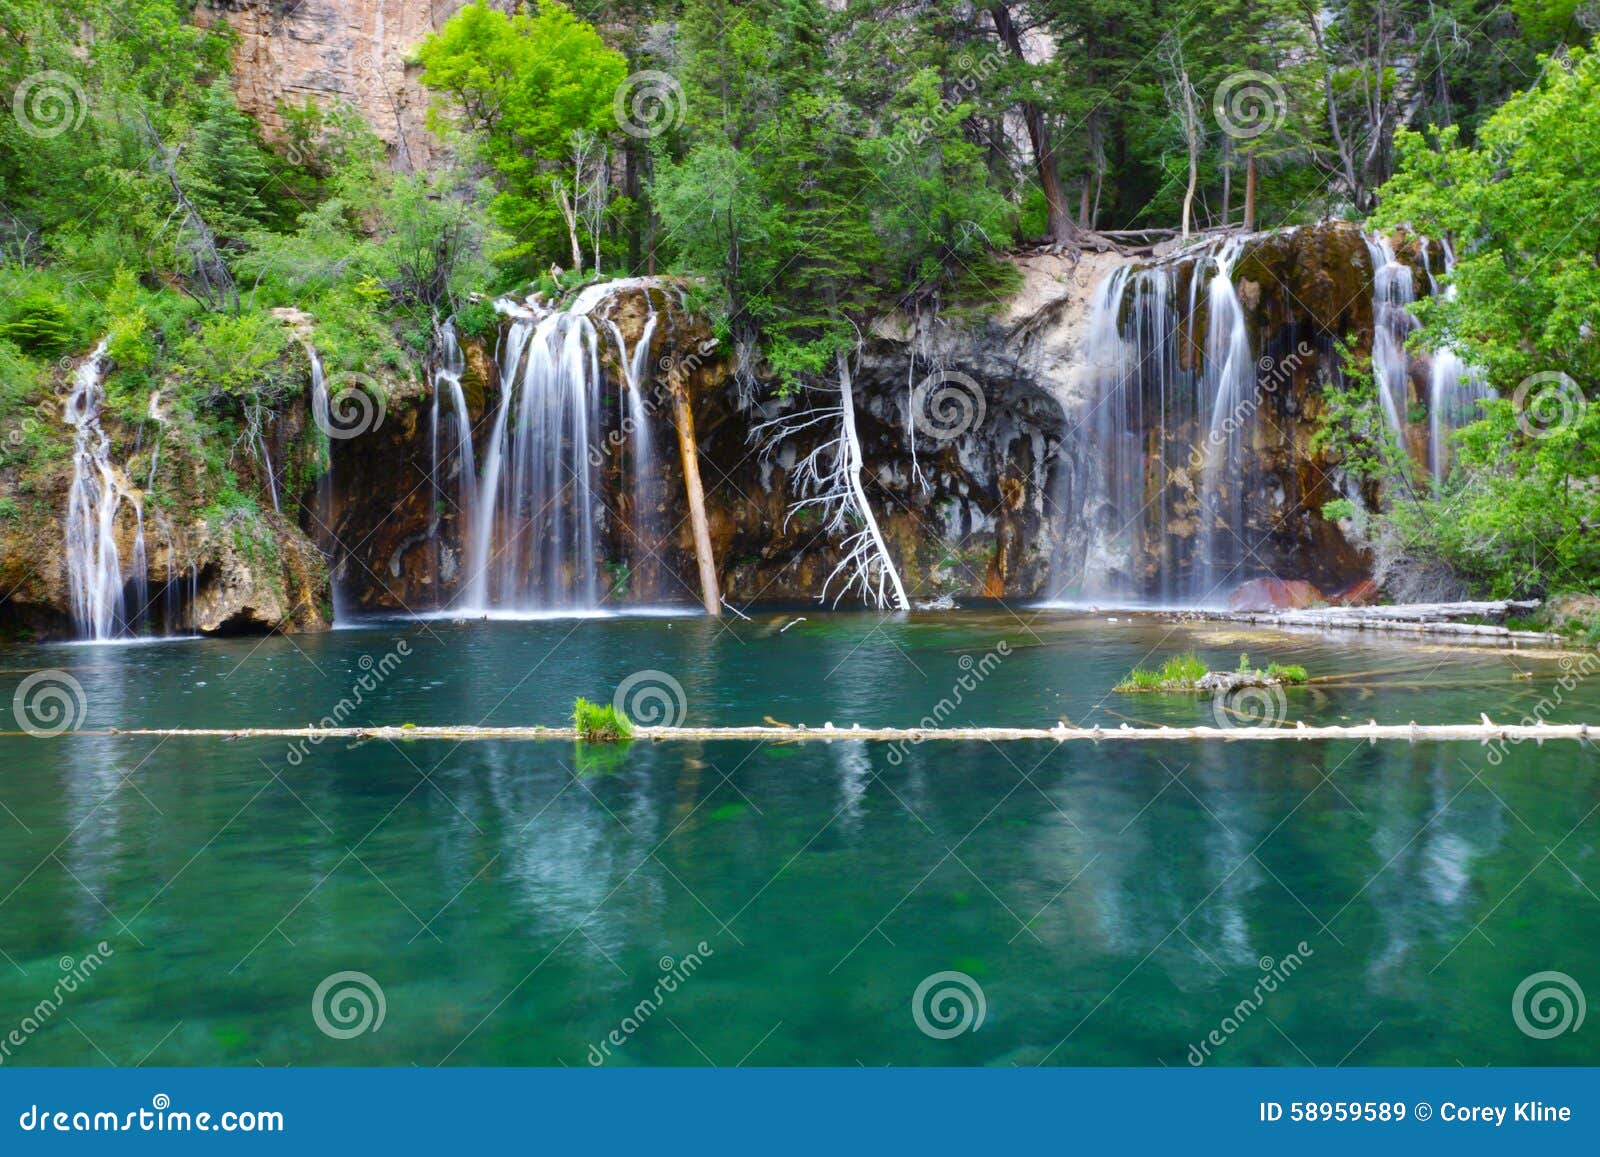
(207, 567)
(1001, 458)
(351, 50)
(999, 488)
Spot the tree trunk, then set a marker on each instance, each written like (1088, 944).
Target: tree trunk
(683, 418)
(1227, 179)
(1250, 193)
(1063, 230)
(1191, 133)
(847, 403)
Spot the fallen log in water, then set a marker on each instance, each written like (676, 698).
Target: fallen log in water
(1482, 732)
(1407, 618)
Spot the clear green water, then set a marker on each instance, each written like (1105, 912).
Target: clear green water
(514, 903)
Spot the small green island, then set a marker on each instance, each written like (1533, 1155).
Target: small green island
(1189, 673)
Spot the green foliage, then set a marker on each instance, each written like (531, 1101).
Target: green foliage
(1184, 672)
(39, 323)
(600, 722)
(1527, 284)
(237, 357)
(225, 167)
(1179, 673)
(534, 87)
(1515, 516)
(477, 319)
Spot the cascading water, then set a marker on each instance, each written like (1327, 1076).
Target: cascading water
(644, 520)
(1454, 389)
(534, 533)
(450, 405)
(1230, 383)
(1172, 492)
(1393, 292)
(327, 540)
(533, 542)
(1134, 363)
(94, 564)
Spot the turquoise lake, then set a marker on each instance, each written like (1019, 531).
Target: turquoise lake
(517, 903)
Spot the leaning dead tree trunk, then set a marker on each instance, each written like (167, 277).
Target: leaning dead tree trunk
(829, 479)
(689, 450)
(210, 279)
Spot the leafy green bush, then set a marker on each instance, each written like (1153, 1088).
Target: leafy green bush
(40, 323)
(600, 722)
(1179, 673)
(477, 319)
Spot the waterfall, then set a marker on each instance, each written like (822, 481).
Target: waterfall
(327, 541)
(537, 516)
(94, 565)
(1176, 503)
(533, 541)
(1136, 376)
(1230, 385)
(643, 507)
(1454, 388)
(450, 404)
(1393, 292)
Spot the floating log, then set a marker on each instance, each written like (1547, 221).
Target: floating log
(1482, 731)
(1408, 618)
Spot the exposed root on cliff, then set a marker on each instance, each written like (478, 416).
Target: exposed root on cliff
(829, 480)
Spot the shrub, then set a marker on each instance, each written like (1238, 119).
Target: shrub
(600, 722)
(40, 323)
(1179, 673)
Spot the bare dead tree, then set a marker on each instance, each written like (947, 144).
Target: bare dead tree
(828, 480)
(1181, 96)
(209, 280)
